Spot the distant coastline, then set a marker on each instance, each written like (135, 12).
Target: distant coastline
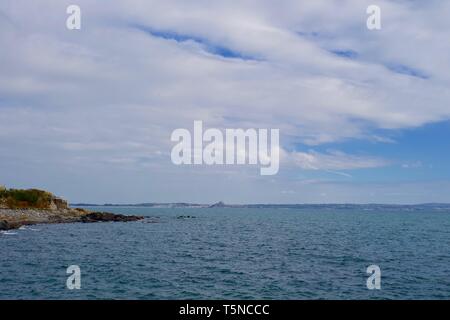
(343, 206)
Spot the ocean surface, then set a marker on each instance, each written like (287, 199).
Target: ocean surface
(231, 253)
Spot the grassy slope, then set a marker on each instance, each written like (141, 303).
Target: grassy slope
(30, 199)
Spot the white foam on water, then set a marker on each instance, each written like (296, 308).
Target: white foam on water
(8, 233)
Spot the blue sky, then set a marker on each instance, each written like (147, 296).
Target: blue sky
(414, 154)
(363, 115)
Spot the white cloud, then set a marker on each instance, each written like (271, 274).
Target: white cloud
(112, 91)
(412, 165)
(334, 160)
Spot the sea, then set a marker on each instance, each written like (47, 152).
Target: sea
(232, 253)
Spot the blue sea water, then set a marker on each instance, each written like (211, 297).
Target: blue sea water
(230, 253)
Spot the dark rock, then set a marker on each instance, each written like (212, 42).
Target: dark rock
(107, 216)
(6, 225)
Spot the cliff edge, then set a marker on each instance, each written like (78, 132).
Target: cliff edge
(24, 207)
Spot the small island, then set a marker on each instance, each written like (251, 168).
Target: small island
(32, 206)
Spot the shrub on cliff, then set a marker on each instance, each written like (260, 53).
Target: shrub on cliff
(32, 198)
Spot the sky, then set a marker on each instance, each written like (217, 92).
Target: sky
(363, 114)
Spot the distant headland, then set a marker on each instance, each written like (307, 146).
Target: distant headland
(336, 206)
(25, 207)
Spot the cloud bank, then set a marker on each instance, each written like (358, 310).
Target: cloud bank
(95, 106)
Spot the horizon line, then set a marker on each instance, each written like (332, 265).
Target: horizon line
(220, 203)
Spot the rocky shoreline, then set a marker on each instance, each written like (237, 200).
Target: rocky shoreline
(19, 207)
(15, 218)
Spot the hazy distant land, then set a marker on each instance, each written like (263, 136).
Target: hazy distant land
(365, 207)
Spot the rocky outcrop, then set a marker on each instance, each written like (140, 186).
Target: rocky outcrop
(15, 218)
(7, 225)
(58, 204)
(24, 207)
(107, 216)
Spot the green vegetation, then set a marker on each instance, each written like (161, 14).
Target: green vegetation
(32, 198)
